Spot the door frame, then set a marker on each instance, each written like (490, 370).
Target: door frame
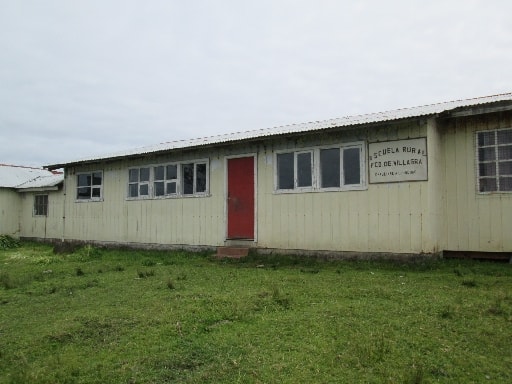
(254, 155)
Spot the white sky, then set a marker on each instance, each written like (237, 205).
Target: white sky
(81, 78)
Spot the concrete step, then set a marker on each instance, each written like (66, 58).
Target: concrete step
(232, 252)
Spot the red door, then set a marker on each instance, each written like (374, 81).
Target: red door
(241, 198)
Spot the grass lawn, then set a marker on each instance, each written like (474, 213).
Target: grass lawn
(111, 316)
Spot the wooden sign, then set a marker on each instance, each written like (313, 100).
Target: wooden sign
(398, 161)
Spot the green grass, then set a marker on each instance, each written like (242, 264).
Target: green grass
(111, 316)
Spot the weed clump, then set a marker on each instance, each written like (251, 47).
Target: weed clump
(8, 242)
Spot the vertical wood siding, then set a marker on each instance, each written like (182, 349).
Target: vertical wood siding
(43, 227)
(473, 221)
(9, 212)
(445, 212)
(384, 218)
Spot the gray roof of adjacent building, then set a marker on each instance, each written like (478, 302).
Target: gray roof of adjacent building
(20, 177)
(343, 122)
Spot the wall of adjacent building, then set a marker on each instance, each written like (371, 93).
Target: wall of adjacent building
(9, 212)
(41, 227)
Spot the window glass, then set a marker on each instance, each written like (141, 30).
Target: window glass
(506, 184)
(144, 175)
(200, 178)
(330, 167)
(504, 136)
(187, 173)
(285, 173)
(159, 172)
(351, 166)
(159, 188)
(84, 180)
(487, 169)
(41, 205)
(133, 190)
(144, 189)
(171, 188)
(505, 169)
(304, 170)
(89, 185)
(171, 172)
(487, 154)
(494, 151)
(134, 175)
(486, 138)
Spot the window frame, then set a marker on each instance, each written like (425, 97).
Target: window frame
(178, 181)
(38, 205)
(496, 161)
(92, 186)
(316, 176)
(296, 186)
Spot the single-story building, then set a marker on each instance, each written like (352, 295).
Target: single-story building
(24, 201)
(423, 180)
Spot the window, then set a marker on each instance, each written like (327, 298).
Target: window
(340, 167)
(166, 180)
(179, 179)
(138, 182)
(41, 205)
(295, 170)
(89, 186)
(494, 154)
(336, 168)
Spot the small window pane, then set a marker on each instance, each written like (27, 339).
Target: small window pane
(351, 166)
(96, 178)
(84, 180)
(304, 175)
(171, 188)
(41, 205)
(134, 175)
(144, 174)
(505, 168)
(505, 183)
(159, 188)
(486, 138)
(188, 179)
(488, 185)
(171, 172)
(96, 192)
(505, 136)
(134, 190)
(330, 168)
(159, 172)
(144, 189)
(487, 169)
(84, 193)
(505, 152)
(486, 154)
(200, 178)
(285, 171)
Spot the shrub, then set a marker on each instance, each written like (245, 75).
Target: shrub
(7, 242)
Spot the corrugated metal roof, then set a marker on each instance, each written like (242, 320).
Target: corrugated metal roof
(42, 182)
(13, 176)
(404, 113)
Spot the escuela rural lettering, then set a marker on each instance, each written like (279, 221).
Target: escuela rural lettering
(397, 162)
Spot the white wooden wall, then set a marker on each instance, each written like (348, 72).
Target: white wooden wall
(443, 213)
(473, 221)
(9, 212)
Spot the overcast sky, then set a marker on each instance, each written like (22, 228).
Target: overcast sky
(81, 78)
